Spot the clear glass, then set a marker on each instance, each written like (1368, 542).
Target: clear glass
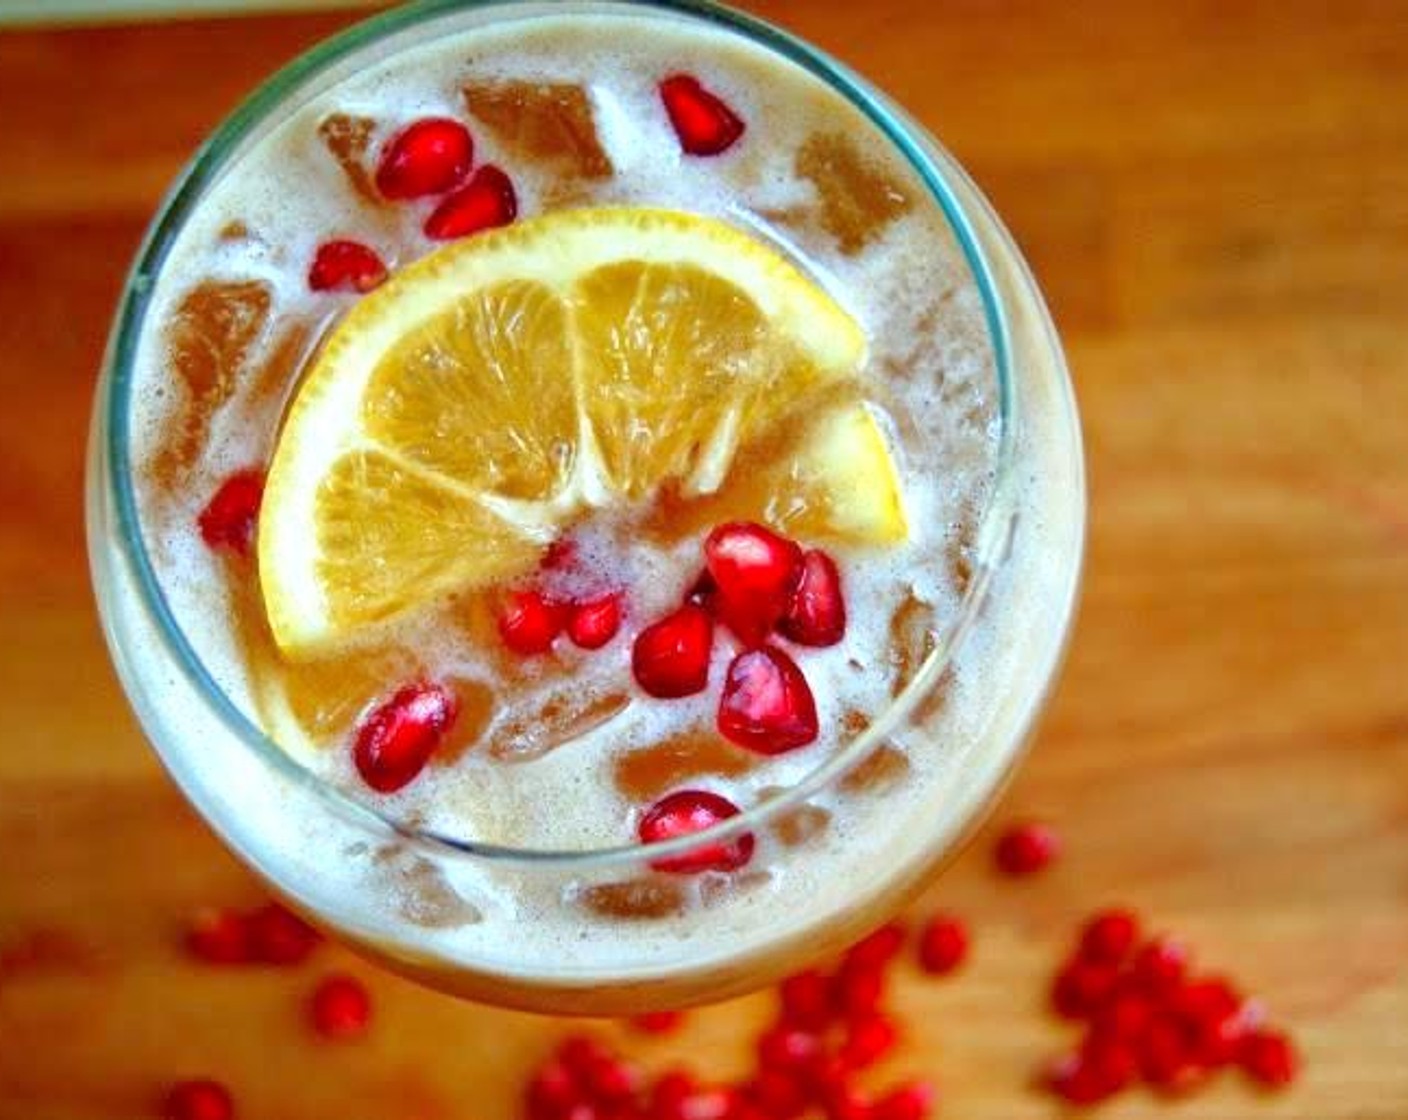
(453, 912)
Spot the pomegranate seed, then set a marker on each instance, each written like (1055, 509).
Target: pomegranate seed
(1217, 1042)
(1111, 1061)
(1083, 988)
(913, 1100)
(806, 1000)
(1126, 1016)
(846, 1101)
(704, 124)
(1164, 1056)
(220, 937)
(686, 812)
(857, 991)
(1074, 1081)
(826, 1075)
(560, 555)
(279, 937)
(552, 1091)
(719, 1102)
(581, 1054)
(756, 573)
(584, 1110)
(668, 1094)
(1160, 965)
(228, 519)
(395, 740)
(816, 616)
(777, 1094)
(877, 949)
(612, 1081)
(345, 266)
(200, 1099)
(530, 623)
(670, 658)
(943, 945)
(341, 1007)
(658, 1022)
(485, 202)
(868, 1039)
(787, 1048)
(1202, 1001)
(766, 704)
(1270, 1058)
(1026, 849)
(430, 156)
(593, 624)
(1108, 937)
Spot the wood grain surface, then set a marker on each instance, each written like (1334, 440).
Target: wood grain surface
(1215, 198)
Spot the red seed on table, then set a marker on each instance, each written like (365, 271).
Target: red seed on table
(1082, 988)
(716, 1102)
(857, 991)
(1112, 1061)
(612, 1081)
(1160, 964)
(220, 937)
(341, 1007)
(778, 1093)
(395, 740)
(1026, 849)
(530, 622)
(1109, 936)
(847, 1101)
(228, 519)
(1201, 1001)
(1165, 1058)
(816, 615)
(943, 945)
(913, 1100)
(879, 948)
(1071, 1079)
(581, 1054)
(347, 266)
(1126, 1016)
(668, 1094)
(591, 625)
(766, 704)
(686, 812)
(1270, 1058)
(430, 156)
(806, 999)
(703, 122)
(198, 1099)
(658, 1022)
(487, 201)
(670, 658)
(551, 1091)
(279, 937)
(868, 1039)
(787, 1048)
(755, 574)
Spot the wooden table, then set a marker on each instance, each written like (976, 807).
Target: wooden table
(1215, 197)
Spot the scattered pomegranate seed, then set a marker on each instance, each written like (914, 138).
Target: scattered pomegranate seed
(1082, 988)
(816, 616)
(943, 945)
(913, 1100)
(668, 1094)
(670, 658)
(806, 1000)
(220, 937)
(716, 1102)
(788, 1048)
(868, 1039)
(551, 1092)
(778, 1093)
(879, 948)
(1026, 849)
(1126, 1016)
(581, 1054)
(766, 704)
(1164, 1054)
(1074, 1081)
(755, 572)
(704, 124)
(341, 1007)
(658, 1022)
(199, 1099)
(228, 519)
(1112, 1061)
(857, 991)
(395, 740)
(430, 156)
(1269, 1058)
(485, 202)
(593, 624)
(1160, 965)
(345, 266)
(279, 937)
(684, 813)
(1108, 937)
(1201, 1001)
(612, 1081)
(530, 623)
(847, 1101)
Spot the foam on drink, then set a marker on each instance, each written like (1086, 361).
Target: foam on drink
(810, 176)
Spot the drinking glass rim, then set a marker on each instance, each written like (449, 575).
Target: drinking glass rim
(185, 195)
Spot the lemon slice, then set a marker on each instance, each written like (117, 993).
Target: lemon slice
(506, 383)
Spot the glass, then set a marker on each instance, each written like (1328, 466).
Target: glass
(459, 914)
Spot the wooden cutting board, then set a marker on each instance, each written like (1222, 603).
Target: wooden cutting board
(1215, 197)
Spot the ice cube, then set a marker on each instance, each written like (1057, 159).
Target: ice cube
(635, 899)
(856, 199)
(912, 639)
(550, 124)
(554, 721)
(208, 341)
(348, 138)
(644, 775)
